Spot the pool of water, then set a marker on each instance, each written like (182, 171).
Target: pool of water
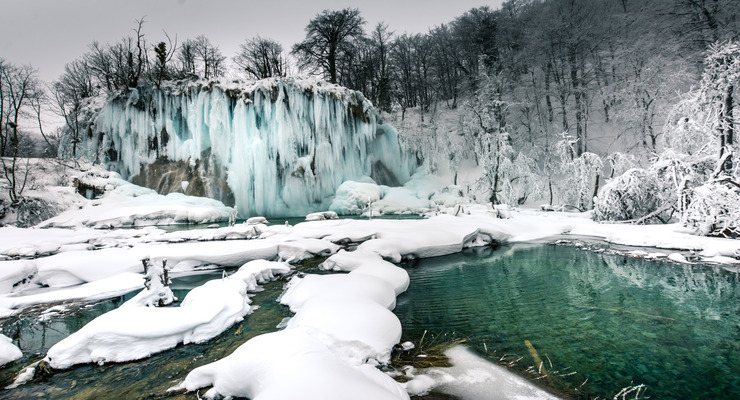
(598, 322)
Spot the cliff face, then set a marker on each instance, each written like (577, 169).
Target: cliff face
(276, 147)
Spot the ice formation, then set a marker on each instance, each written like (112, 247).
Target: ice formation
(280, 147)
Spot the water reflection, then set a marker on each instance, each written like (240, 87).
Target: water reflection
(615, 320)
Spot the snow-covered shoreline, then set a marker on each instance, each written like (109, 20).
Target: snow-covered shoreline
(343, 320)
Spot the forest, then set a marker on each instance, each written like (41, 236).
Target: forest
(625, 107)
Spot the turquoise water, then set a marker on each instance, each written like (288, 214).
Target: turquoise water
(613, 320)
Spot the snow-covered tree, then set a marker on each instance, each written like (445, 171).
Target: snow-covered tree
(695, 173)
(637, 195)
(508, 176)
(486, 125)
(580, 175)
(714, 209)
(717, 92)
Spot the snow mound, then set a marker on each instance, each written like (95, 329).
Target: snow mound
(133, 206)
(369, 263)
(473, 378)
(8, 351)
(135, 331)
(320, 216)
(423, 193)
(314, 372)
(338, 288)
(357, 330)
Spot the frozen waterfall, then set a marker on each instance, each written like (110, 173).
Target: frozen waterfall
(275, 147)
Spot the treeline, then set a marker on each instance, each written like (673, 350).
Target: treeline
(564, 65)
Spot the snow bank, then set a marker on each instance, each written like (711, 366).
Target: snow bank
(113, 286)
(356, 329)
(320, 216)
(8, 351)
(134, 331)
(474, 378)
(314, 372)
(342, 329)
(423, 193)
(368, 263)
(133, 206)
(338, 287)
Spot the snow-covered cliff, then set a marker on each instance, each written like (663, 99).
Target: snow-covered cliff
(276, 147)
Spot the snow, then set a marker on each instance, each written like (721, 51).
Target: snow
(357, 329)
(363, 262)
(278, 142)
(473, 378)
(135, 330)
(341, 329)
(129, 205)
(8, 351)
(338, 287)
(343, 326)
(113, 286)
(423, 193)
(322, 215)
(314, 371)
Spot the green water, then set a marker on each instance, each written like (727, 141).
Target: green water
(615, 321)
(146, 379)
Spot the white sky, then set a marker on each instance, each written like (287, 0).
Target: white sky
(51, 33)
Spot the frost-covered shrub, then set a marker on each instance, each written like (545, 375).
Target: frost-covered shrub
(714, 210)
(525, 182)
(634, 195)
(579, 176)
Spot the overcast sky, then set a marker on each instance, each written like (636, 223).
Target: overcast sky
(51, 33)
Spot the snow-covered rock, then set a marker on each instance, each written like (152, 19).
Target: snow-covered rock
(8, 351)
(314, 372)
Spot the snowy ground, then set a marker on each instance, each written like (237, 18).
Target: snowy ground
(343, 325)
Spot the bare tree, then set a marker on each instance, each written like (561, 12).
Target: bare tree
(121, 65)
(261, 58)
(20, 87)
(328, 35)
(380, 45)
(186, 57)
(199, 57)
(69, 92)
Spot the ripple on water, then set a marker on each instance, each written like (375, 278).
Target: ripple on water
(616, 320)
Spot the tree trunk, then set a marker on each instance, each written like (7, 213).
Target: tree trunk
(580, 140)
(728, 122)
